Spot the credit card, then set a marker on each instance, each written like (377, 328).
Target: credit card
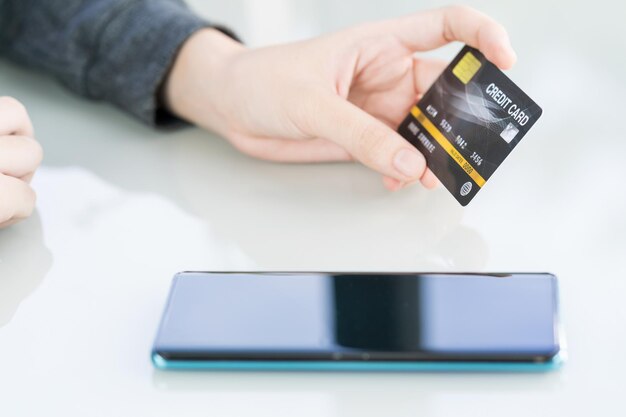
(468, 122)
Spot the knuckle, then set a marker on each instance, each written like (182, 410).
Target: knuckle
(18, 205)
(36, 153)
(13, 103)
(8, 100)
(498, 26)
(17, 110)
(7, 210)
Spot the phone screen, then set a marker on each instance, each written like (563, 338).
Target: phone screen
(355, 316)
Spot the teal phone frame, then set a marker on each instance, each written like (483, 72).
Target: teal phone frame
(357, 366)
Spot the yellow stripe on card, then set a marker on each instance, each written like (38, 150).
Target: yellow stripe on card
(447, 146)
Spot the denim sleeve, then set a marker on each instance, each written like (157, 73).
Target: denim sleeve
(114, 50)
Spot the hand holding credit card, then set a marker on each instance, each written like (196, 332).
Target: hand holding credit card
(468, 122)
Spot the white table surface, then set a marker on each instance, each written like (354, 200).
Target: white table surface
(122, 208)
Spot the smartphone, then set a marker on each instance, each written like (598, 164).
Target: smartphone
(360, 321)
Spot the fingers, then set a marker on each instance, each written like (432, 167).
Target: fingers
(283, 150)
(434, 28)
(426, 72)
(17, 202)
(392, 184)
(14, 119)
(365, 138)
(19, 156)
(428, 180)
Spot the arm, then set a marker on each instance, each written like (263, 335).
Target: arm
(114, 50)
(336, 97)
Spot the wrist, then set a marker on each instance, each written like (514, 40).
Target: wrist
(195, 84)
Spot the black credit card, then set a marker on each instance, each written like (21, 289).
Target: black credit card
(468, 122)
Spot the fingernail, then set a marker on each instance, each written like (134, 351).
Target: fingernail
(409, 163)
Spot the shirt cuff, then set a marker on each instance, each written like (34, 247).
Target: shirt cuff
(136, 52)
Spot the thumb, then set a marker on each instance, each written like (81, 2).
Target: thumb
(368, 140)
